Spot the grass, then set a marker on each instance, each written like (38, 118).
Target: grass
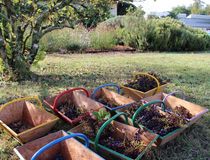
(188, 72)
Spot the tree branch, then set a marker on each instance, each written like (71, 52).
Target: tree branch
(27, 37)
(2, 4)
(57, 7)
(5, 17)
(52, 28)
(76, 10)
(2, 49)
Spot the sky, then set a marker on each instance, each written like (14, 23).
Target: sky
(164, 5)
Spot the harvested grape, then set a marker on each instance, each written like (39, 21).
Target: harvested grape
(19, 126)
(59, 157)
(130, 110)
(159, 122)
(129, 147)
(107, 102)
(182, 111)
(70, 110)
(144, 83)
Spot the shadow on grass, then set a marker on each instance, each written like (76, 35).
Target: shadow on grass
(53, 80)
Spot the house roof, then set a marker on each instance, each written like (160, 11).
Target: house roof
(197, 16)
(198, 21)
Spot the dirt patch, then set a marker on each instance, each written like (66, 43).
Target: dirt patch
(19, 126)
(117, 48)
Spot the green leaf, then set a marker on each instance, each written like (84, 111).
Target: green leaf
(102, 114)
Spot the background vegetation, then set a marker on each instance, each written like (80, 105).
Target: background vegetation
(198, 7)
(164, 34)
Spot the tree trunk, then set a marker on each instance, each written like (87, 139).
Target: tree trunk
(16, 68)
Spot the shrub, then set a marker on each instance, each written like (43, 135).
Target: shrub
(133, 30)
(171, 35)
(112, 23)
(164, 34)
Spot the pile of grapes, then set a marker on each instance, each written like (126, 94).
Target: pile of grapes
(131, 148)
(160, 123)
(91, 127)
(59, 157)
(69, 109)
(19, 126)
(145, 83)
(183, 112)
(130, 110)
(110, 103)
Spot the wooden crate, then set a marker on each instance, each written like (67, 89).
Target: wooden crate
(121, 130)
(79, 99)
(23, 110)
(196, 110)
(68, 149)
(115, 98)
(137, 95)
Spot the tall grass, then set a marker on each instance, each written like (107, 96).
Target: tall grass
(103, 39)
(78, 39)
(66, 39)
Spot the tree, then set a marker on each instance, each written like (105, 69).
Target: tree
(207, 10)
(197, 7)
(24, 20)
(177, 10)
(123, 7)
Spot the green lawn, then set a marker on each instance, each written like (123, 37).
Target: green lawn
(188, 72)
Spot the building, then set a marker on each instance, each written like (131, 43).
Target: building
(196, 21)
(120, 8)
(159, 14)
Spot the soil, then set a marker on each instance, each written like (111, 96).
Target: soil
(19, 127)
(70, 110)
(182, 111)
(132, 109)
(144, 83)
(117, 48)
(130, 148)
(106, 102)
(158, 122)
